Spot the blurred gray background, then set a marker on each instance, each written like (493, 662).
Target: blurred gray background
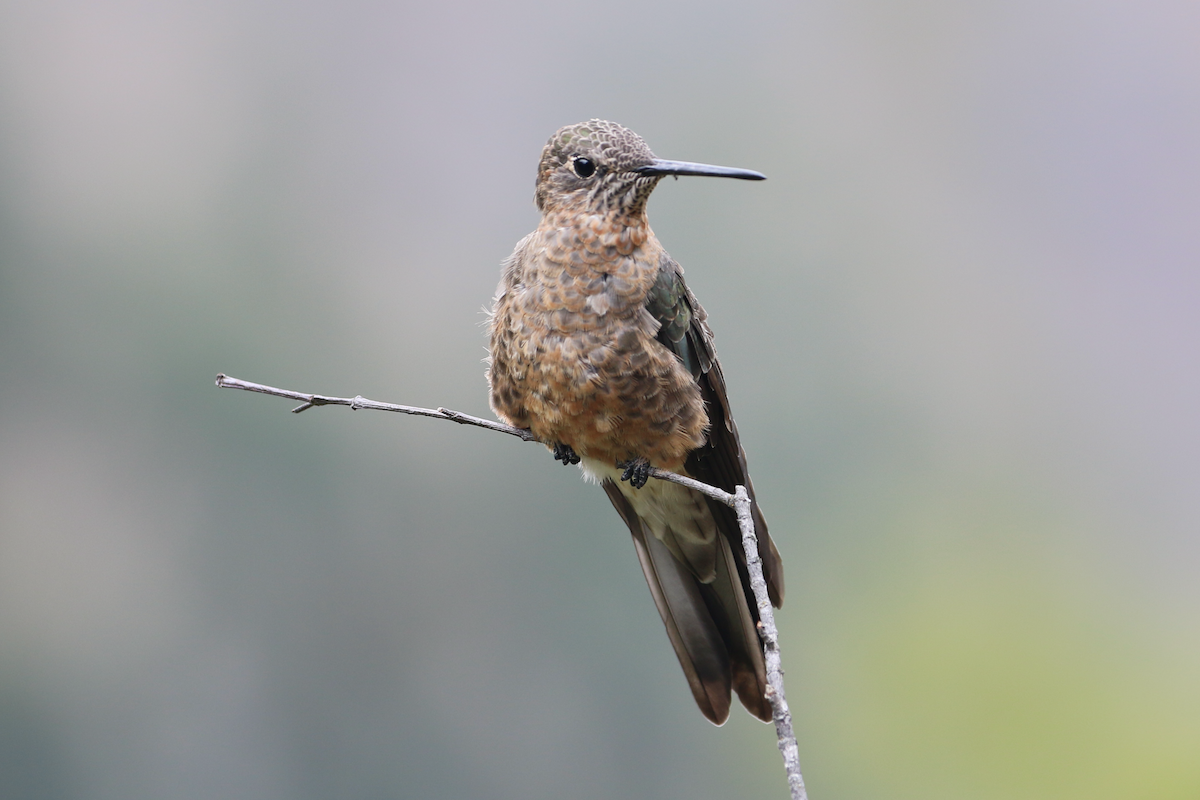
(960, 325)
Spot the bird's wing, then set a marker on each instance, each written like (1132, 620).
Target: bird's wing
(721, 461)
(711, 622)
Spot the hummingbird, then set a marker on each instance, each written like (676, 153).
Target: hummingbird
(600, 349)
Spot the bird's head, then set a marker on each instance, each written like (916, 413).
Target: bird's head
(602, 167)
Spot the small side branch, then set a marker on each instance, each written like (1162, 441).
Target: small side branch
(720, 495)
(739, 502)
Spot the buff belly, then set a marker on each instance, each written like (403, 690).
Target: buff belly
(612, 395)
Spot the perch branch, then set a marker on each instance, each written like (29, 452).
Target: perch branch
(770, 642)
(739, 501)
(307, 401)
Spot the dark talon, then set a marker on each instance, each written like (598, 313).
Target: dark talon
(564, 453)
(637, 472)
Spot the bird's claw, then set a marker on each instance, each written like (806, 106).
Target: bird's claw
(637, 472)
(564, 453)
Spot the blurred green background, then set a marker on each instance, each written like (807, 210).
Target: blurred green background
(960, 325)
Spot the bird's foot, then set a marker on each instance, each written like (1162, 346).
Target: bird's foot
(564, 453)
(637, 471)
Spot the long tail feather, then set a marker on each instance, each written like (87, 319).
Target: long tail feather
(710, 625)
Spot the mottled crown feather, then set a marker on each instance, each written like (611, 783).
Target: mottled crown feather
(614, 149)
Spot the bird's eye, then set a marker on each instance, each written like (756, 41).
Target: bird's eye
(584, 167)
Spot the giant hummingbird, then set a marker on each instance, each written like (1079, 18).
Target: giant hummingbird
(599, 348)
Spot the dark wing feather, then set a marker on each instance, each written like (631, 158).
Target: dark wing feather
(712, 626)
(721, 461)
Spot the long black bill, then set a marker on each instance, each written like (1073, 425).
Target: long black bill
(661, 166)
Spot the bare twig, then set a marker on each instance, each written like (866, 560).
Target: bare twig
(719, 495)
(355, 403)
(770, 639)
(739, 502)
